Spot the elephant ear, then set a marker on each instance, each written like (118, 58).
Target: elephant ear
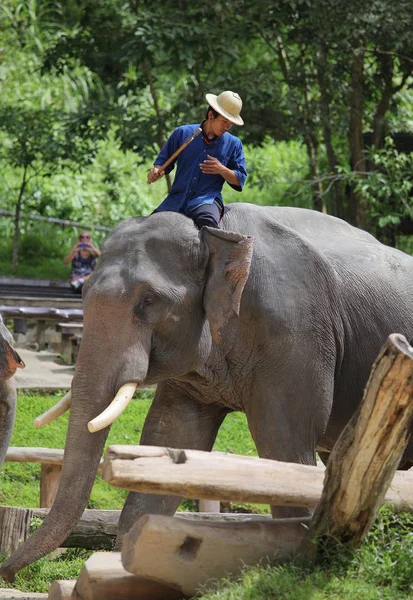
(229, 263)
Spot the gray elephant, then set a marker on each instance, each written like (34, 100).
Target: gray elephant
(9, 362)
(282, 320)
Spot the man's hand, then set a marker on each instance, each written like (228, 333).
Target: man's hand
(154, 174)
(211, 166)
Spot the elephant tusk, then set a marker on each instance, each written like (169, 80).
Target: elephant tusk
(53, 413)
(115, 408)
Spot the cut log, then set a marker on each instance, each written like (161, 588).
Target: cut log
(63, 589)
(227, 477)
(186, 555)
(104, 578)
(14, 527)
(52, 456)
(367, 454)
(96, 529)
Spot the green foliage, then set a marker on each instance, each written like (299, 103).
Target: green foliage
(388, 189)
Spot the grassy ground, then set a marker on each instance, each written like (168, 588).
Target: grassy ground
(382, 569)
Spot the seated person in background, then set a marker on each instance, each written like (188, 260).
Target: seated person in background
(83, 258)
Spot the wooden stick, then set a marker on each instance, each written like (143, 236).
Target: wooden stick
(180, 149)
(367, 454)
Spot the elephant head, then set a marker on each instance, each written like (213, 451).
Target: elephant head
(159, 299)
(9, 362)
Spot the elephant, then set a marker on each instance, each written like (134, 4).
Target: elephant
(279, 313)
(9, 362)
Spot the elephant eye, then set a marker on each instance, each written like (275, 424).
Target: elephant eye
(148, 300)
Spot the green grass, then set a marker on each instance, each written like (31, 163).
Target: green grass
(21, 481)
(381, 569)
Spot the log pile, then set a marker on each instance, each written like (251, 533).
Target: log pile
(181, 555)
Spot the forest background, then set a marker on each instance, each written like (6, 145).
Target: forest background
(90, 91)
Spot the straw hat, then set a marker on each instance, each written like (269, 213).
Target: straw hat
(228, 104)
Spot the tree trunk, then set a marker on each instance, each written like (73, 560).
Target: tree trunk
(357, 159)
(325, 100)
(160, 133)
(16, 236)
(367, 454)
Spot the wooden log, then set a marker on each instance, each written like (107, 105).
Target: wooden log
(14, 527)
(187, 555)
(63, 589)
(104, 578)
(212, 476)
(96, 529)
(367, 454)
(227, 477)
(49, 483)
(52, 456)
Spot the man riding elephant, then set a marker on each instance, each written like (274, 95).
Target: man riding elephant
(280, 314)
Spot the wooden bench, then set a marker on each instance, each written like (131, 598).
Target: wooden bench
(41, 315)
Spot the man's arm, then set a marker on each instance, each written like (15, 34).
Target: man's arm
(212, 166)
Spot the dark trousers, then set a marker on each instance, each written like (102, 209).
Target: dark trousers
(207, 214)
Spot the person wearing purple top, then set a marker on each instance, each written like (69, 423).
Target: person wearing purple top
(210, 160)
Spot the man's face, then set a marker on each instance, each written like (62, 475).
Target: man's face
(220, 125)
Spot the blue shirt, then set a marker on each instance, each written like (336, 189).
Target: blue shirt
(191, 187)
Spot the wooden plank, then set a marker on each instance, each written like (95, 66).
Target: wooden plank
(52, 456)
(187, 555)
(104, 578)
(227, 477)
(368, 452)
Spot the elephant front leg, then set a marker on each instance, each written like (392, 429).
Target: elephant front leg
(175, 420)
(287, 417)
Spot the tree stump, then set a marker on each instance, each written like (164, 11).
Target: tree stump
(186, 555)
(368, 451)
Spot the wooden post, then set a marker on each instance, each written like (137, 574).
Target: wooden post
(368, 452)
(14, 527)
(41, 333)
(49, 483)
(185, 555)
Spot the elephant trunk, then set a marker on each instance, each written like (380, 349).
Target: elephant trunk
(81, 460)
(7, 415)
